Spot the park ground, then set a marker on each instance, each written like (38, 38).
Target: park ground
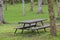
(13, 15)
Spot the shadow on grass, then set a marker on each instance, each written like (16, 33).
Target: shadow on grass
(30, 34)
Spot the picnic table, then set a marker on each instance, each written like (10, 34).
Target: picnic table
(32, 27)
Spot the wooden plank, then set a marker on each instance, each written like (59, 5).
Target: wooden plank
(42, 27)
(25, 27)
(32, 21)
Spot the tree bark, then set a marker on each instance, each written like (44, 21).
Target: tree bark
(52, 18)
(39, 6)
(58, 7)
(23, 8)
(32, 5)
(12, 2)
(44, 2)
(6, 2)
(1, 12)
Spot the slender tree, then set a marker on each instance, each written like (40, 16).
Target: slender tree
(44, 2)
(23, 8)
(52, 18)
(58, 7)
(32, 5)
(6, 4)
(1, 12)
(39, 6)
(12, 2)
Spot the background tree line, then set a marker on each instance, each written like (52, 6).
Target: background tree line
(26, 1)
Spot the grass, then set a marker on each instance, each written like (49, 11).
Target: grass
(7, 33)
(14, 15)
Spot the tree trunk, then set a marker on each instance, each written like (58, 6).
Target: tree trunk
(44, 2)
(26, 1)
(58, 7)
(52, 18)
(39, 6)
(12, 2)
(6, 2)
(32, 5)
(1, 12)
(23, 8)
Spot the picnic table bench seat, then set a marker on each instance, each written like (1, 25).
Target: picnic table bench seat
(41, 27)
(32, 27)
(25, 27)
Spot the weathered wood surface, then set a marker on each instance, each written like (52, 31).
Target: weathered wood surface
(32, 21)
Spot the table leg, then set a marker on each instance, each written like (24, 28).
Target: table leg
(45, 29)
(35, 24)
(42, 23)
(37, 31)
(23, 28)
(30, 25)
(15, 31)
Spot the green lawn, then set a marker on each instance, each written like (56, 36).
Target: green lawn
(14, 15)
(7, 33)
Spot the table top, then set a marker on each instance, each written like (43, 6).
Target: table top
(32, 21)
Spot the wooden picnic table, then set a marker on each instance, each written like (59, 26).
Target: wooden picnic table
(30, 22)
